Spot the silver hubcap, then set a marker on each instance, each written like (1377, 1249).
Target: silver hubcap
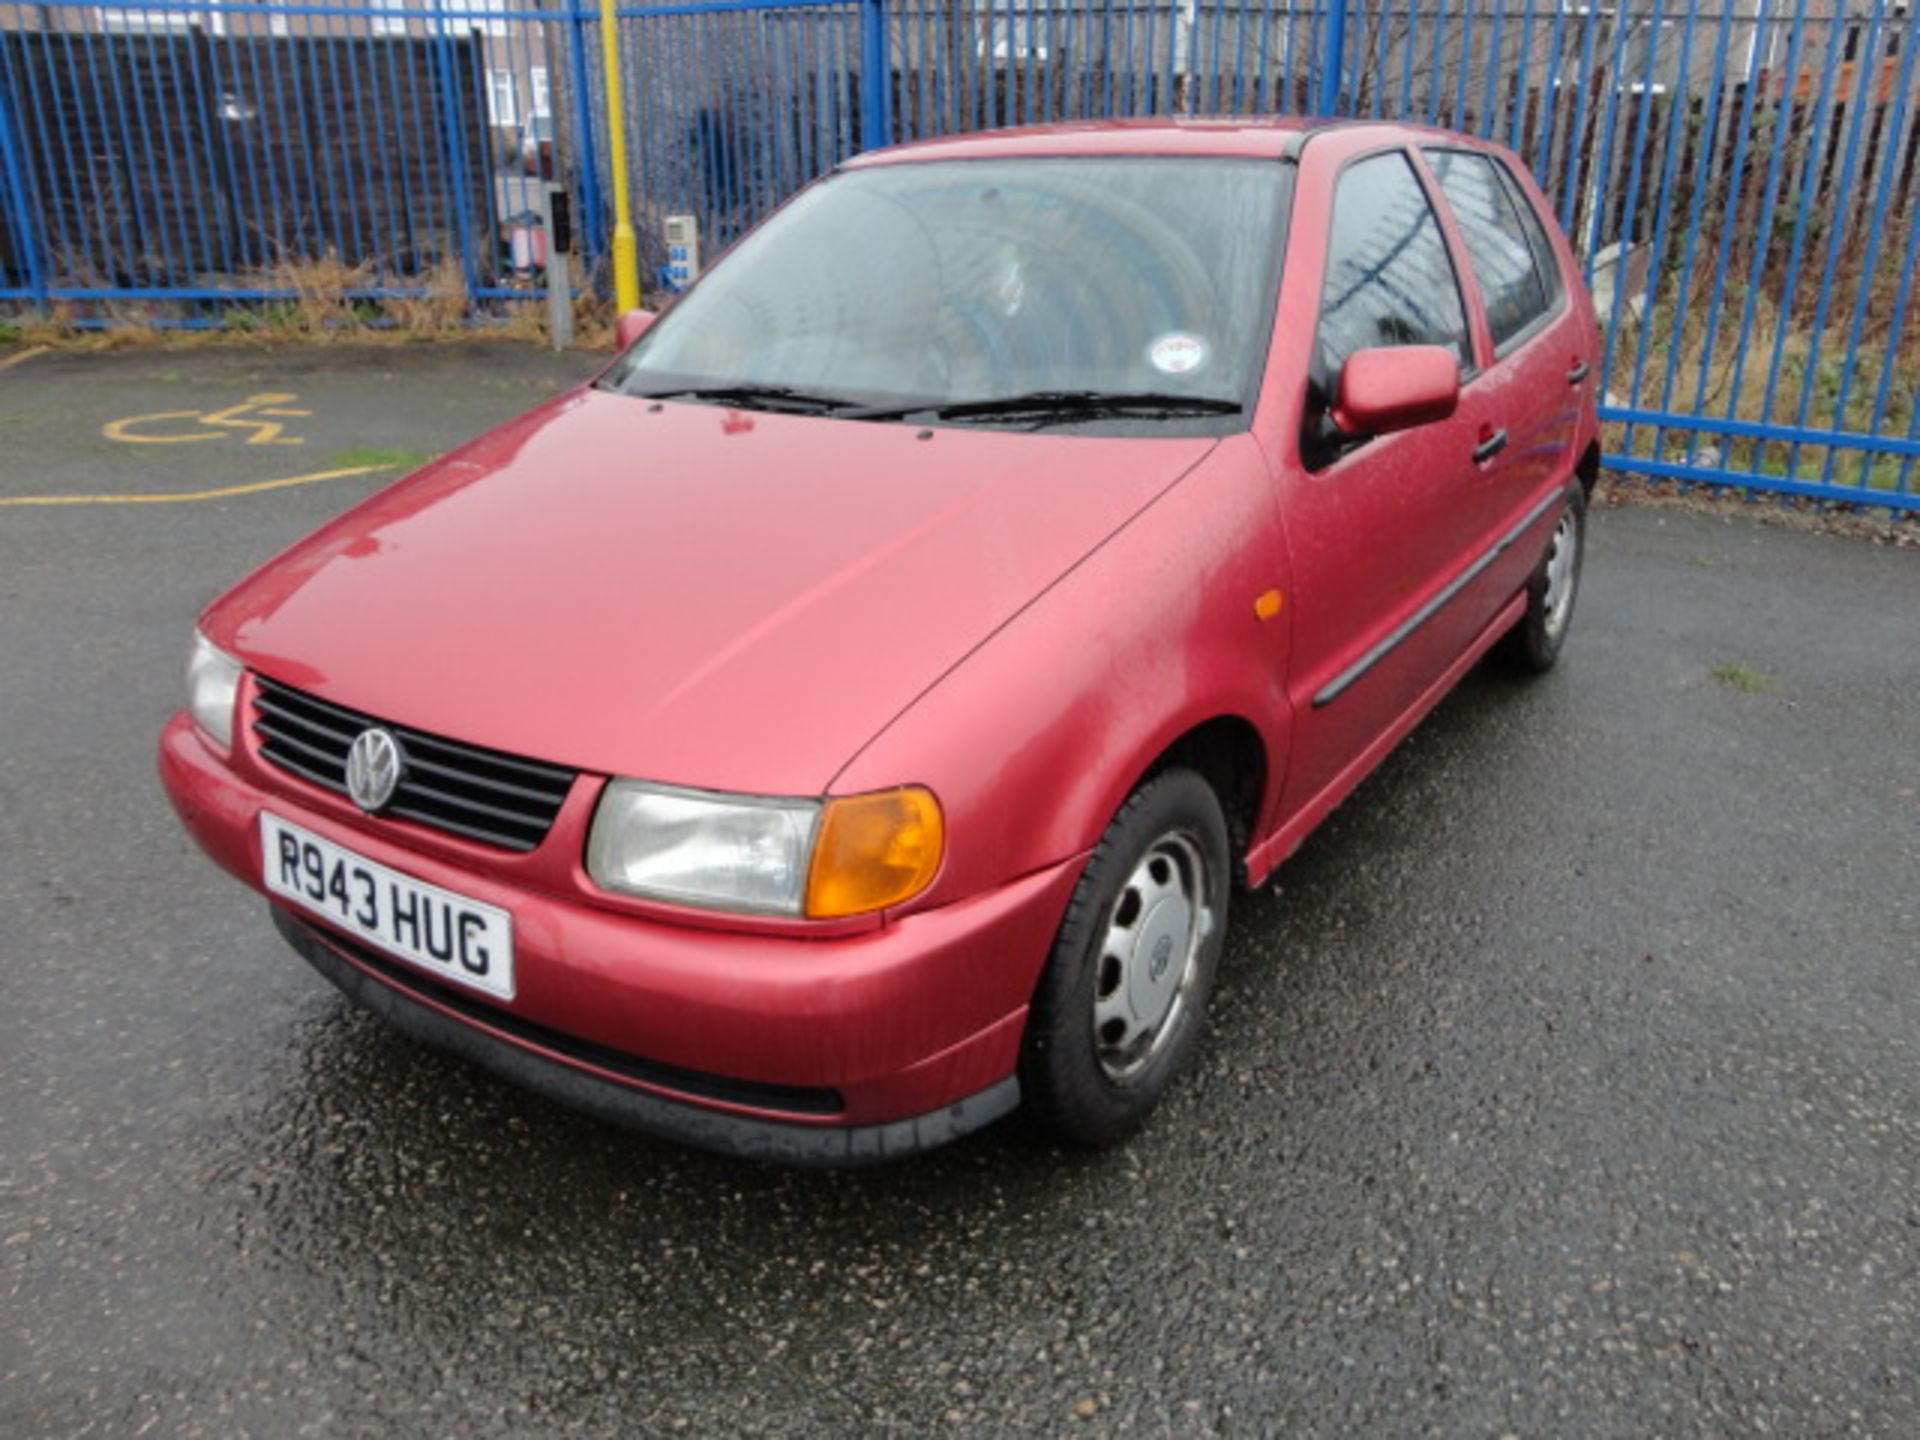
(1561, 558)
(1147, 958)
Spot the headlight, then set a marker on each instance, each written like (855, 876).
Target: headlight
(723, 852)
(762, 855)
(213, 679)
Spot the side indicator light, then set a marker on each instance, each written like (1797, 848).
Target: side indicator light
(874, 851)
(1268, 605)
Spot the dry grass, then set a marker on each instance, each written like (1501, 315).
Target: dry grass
(441, 311)
(324, 304)
(322, 301)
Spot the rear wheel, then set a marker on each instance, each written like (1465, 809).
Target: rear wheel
(1119, 1007)
(1534, 642)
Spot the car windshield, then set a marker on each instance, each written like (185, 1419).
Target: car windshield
(1126, 286)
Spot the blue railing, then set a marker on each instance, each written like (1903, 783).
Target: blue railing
(1739, 177)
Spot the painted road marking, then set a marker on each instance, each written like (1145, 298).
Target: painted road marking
(21, 357)
(188, 497)
(214, 424)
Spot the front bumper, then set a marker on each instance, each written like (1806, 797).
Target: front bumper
(538, 1070)
(858, 1046)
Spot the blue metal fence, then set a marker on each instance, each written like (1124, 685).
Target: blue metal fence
(1739, 177)
(733, 107)
(165, 162)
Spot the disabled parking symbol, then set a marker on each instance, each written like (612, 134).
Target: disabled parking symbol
(258, 418)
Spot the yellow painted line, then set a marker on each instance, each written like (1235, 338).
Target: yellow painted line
(187, 497)
(21, 357)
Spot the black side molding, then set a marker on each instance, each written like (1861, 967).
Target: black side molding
(1341, 682)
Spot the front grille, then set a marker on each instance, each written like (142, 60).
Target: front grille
(480, 794)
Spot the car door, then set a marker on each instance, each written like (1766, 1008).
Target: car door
(1375, 525)
(1525, 403)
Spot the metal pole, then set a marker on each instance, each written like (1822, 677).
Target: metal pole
(448, 79)
(14, 200)
(1330, 77)
(876, 77)
(586, 155)
(626, 251)
(559, 298)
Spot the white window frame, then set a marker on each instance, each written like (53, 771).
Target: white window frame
(391, 24)
(1018, 35)
(468, 16)
(117, 21)
(503, 98)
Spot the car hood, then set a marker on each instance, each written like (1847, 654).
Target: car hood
(685, 593)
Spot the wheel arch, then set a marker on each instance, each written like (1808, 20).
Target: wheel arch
(1588, 468)
(1230, 754)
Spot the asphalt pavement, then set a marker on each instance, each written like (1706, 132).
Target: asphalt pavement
(1568, 1083)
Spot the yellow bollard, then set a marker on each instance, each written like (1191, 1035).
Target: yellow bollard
(626, 250)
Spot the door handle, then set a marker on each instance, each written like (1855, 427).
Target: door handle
(1490, 447)
(1577, 373)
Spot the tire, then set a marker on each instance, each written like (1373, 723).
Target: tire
(1533, 645)
(1142, 934)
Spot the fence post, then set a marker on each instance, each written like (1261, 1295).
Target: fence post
(1334, 61)
(26, 223)
(876, 71)
(453, 140)
(587, 152)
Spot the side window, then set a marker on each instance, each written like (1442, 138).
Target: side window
(1543, 256)
(1498, 246)
(1389, 279)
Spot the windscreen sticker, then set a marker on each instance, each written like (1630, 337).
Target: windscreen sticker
(1177, 353)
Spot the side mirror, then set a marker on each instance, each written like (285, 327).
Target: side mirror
(1396, 387)
(631, 326)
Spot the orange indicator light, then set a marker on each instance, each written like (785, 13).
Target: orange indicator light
(874, 851)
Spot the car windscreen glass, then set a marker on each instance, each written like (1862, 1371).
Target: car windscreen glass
(961, 283)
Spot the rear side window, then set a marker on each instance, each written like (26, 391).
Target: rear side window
(1543, 256)
(1499, 247)
(1389, 279)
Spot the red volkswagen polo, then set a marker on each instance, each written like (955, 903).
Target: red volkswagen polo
(849, 716)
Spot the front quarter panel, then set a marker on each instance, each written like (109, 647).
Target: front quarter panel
(1034, 740)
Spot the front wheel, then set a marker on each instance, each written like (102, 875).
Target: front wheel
(1534, 642)
(1119, 1006)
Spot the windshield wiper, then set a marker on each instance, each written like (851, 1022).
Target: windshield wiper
(1047, 407)
(755, 397)
(1056, 406)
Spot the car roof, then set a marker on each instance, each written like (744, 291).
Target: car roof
(1255, 137)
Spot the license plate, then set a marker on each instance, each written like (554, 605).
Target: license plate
(447, 935)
